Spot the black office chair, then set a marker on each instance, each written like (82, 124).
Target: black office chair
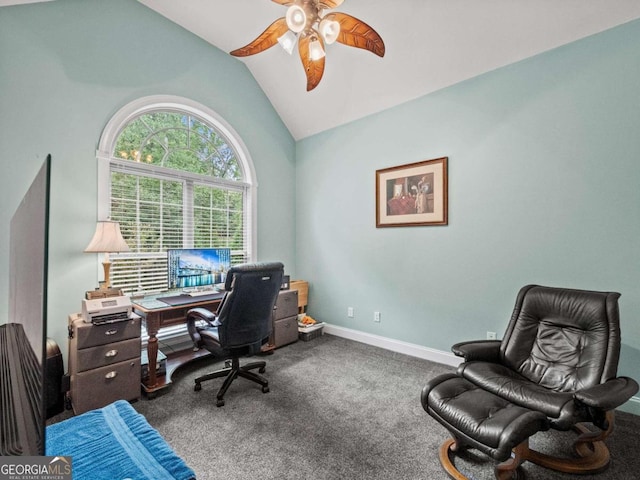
(241, 325)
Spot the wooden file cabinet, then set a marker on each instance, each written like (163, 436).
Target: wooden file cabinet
(104, 362)
(285, 319)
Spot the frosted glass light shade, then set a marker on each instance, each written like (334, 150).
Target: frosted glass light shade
(329, 30)
(296, 18)
(288, 41)
(316, 51)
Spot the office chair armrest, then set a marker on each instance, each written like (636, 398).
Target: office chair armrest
(193, 316)
(483, 350)
(608, 395)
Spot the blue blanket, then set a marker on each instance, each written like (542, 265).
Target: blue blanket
(113, 443)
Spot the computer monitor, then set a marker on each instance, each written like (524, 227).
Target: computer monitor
(197, 267)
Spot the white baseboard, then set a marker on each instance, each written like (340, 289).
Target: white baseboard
(438, 356)
(412, 349)
(632, 406)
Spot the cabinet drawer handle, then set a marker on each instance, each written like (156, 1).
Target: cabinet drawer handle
(113, 331)
(111, 353)
(111, 374)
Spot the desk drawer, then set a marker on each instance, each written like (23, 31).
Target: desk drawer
(285, 330)
(177, 315)
(89, 335)
(101, 386)
(95, 357)
(286, 304)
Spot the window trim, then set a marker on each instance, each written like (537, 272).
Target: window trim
(153, 103)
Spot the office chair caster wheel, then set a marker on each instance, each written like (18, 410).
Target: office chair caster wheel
(220, 403)
(265, 389)
(197, 387)
(261, 370)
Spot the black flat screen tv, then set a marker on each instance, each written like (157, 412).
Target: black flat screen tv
(197, 267)
(23, 338)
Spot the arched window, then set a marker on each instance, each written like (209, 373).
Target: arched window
(174, 175)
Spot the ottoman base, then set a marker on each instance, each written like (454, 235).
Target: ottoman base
(479, 419)
(507, 470)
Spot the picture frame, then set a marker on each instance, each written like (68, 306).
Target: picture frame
(412, 195)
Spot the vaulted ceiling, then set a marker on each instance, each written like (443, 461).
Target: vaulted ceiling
(430, 44)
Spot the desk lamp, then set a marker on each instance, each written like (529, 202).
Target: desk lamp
(107, 239)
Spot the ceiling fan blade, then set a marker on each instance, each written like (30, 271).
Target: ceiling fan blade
(313, 68)
(328, 3)
(265, 40)
(356, 33)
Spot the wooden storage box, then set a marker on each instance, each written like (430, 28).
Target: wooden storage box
(303, 293)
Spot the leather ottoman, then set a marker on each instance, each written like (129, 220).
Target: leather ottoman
(479, 419)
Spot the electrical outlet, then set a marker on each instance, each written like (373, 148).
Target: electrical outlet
(350, 312)
(491, 335)
(376, 316)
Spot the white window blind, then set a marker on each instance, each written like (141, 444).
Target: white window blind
(175, 182)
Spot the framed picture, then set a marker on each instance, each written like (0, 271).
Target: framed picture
(412, 195)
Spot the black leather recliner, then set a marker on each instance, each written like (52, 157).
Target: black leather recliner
(556, 367)
(241, 325)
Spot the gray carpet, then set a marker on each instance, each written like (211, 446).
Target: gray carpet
(337, 409)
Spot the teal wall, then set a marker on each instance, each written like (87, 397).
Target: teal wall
(65, 68)
(544, 187)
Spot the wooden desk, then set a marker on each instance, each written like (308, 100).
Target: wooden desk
(158, 314)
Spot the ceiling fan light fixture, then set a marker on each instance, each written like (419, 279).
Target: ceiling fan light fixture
(296, 18)
(329, 30)
(306, 24)
(316, 51)
(287, 41)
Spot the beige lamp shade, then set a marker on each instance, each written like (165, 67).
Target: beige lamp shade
(107, 239)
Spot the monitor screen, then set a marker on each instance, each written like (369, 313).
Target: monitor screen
(197, 267)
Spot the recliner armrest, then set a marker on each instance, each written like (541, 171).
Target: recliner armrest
(484, 350)
(609, 395)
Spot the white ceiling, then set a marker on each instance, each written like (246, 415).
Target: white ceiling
(430, 44)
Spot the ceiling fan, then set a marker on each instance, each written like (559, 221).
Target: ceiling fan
(307, 23)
